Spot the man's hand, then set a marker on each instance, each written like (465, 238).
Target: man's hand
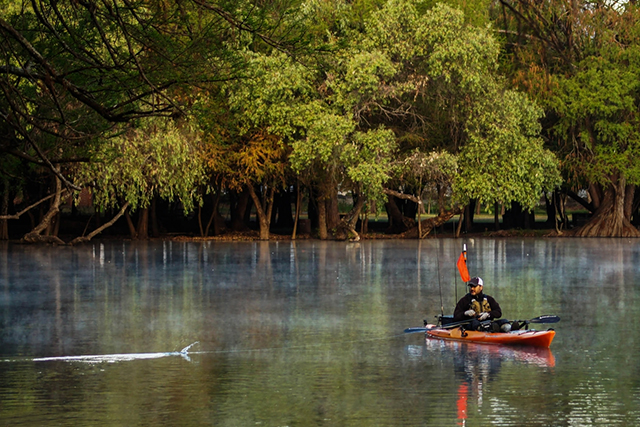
(483, 316)
(470, 313)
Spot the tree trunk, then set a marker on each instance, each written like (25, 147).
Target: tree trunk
(333, 214)
(429, 224)
(469, 214)
(142, 231)
(322, 219)
(216, 219)
(297, 217)
(609, 220)
(517, 217)
(629, 194)
(35, 235)
(398, 223)
(347, 226)
(132, 228)
(263, 210)
(95, 232)
(550, 208)
(596, 193)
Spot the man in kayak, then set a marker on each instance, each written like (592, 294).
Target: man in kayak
(478, 307)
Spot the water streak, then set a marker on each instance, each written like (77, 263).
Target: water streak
(113, 358)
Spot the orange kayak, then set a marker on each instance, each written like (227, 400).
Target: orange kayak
(523, 338)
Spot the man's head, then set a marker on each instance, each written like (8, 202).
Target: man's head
(475, 285)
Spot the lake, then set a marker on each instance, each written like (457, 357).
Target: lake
(310, 333)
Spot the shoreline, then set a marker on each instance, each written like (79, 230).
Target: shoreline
(253, 235)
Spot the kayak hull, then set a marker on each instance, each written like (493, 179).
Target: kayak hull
(517, 338)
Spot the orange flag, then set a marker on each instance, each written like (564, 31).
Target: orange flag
(462, 268)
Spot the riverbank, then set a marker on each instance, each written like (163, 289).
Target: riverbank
(254, 235)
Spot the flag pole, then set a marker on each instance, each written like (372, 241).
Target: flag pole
(462, 267)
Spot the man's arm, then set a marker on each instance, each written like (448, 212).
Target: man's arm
(496, 311)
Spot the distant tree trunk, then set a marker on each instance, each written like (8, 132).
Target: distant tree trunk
(298, 207)
(551, 211)
(333, 214)
(215, 219)
(239, 207)
(427, 225)
(132, 228)
(609, 220)
(517, 217)
(155, 229)
(469, 213)
(142, 230)
(282, 210)
(312, 207)
(4, 211)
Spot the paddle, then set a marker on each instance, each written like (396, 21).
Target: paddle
(540, 319)
(547, 318)
(447, 326)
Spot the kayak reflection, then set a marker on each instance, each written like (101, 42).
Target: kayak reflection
(475, 365)
(466, 353)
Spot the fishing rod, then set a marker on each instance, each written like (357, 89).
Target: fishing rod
(439, 284)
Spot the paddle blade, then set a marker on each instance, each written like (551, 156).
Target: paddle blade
(462, 268)
(545, 319)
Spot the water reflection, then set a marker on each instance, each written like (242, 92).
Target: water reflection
(310, 333)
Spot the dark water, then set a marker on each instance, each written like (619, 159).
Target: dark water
(310, 333)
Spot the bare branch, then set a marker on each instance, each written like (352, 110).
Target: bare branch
(27, 209)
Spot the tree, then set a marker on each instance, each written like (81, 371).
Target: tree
(72, 73)
(579, 59)
(432, 78)
(159, 158)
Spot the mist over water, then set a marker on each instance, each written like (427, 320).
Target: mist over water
(310, 333)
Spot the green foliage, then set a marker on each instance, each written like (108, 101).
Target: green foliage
(505, 160)
(346, 94)
(157, 158)
(599, 101)
(366, 160)
(274, 95)
(585, 72)
(433, 66)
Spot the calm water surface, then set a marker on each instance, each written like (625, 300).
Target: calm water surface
(311, 334)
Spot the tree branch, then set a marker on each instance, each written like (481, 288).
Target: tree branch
(83, 239)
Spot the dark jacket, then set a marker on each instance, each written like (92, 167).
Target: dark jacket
(465, 304)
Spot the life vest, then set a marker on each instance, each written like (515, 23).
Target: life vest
(480, 308)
